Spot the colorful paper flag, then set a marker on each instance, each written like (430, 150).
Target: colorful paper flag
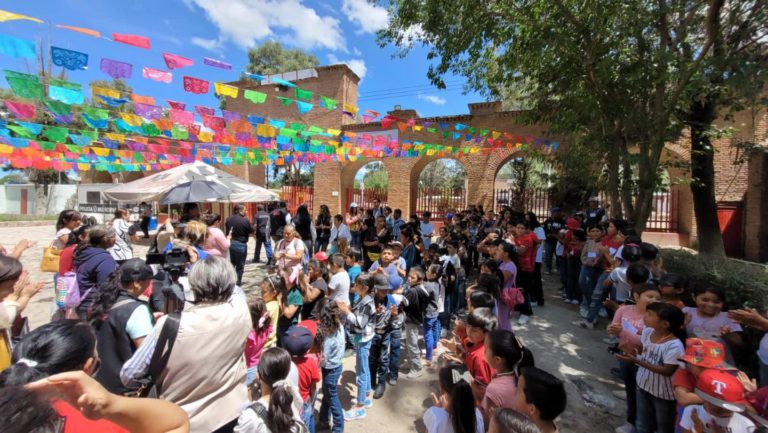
(65, 95)
(10, 16)
(302, 94)
(204, 111)
(143, 99)
(177, 105)
(82, 30)
(226, 90)
(18, 48)
(21, 110)
(135, 40)
(304, 107)
(195, 85)
(112, 93)
(72, 60)
(328, 103)
(174, 61)
(116, 69)
(157, 75)
(255, 97)
(217, 63)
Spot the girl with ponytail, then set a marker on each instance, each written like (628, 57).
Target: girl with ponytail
(278, 410)
(454, 410)
(506, 355)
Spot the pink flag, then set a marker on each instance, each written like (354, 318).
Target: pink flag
(174, 61)
(195, 85)
(157, 75)
(177, 105)
(135, 40)
(20, 109)
(205, 111)
(182, 117)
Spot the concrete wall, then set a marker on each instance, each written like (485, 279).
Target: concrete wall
(59, 197)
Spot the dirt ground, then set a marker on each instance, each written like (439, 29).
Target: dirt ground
(576, 355)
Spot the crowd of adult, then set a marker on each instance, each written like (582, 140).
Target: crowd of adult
(182, 344)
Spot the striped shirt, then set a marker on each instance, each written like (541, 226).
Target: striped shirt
(664, 353)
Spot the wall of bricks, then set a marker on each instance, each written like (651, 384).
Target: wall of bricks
(756, 212)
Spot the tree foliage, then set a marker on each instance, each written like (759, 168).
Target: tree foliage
(272, 57)
(615, 74)
(443, 173)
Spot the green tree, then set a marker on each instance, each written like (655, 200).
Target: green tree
(617, 75)
(272, 57)
(443, 173)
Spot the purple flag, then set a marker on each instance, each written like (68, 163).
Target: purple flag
(116, 69)
(216, 63)
(230, 115)
(135, 146)
(148, 111)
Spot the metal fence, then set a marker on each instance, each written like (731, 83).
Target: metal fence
(439, 201)
(294, 196)
(364, 198)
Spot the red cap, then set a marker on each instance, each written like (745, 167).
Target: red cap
(572, 224)
(705, 354)
(311, 325)
(721, 389)
(321, 255)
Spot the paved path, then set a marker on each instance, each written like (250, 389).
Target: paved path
(576, 355)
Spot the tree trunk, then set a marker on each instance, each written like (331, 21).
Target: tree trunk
(700, 118)
(627, 186)
(613, 183)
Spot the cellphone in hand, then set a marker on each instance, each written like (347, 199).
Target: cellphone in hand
(614, 350)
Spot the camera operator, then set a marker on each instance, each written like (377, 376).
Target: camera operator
(171, 287)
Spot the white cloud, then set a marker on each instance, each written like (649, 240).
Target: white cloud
(246, 22)
(356, 65)
(207, 44)
(434, 99)
(356, 52)
(368, 16)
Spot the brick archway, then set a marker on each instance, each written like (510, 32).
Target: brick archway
(436, 200)
(347, 177)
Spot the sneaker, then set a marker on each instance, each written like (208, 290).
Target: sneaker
(584, 324)
(322, 426)
(583, 312)
(413, 374)
(626, 428)
(392, 381)
(574, 302)
(610, 340)
(380, 389)
(354, 413)
(366, 404)
(604, 313)
(523, 320)
(534, 304)
(620, 394)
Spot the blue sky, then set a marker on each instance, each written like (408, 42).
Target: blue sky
(336, 31)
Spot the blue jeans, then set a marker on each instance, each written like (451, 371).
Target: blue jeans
(379, 359)
(629, 373)
(331, 402)
(267, 247)
(356, 239)
(395, 336)
(308, 414)
(431, 335)
(362, 370)
(654, 414)
(598, 295)
(587, 278)
(238, 252)
(549, 252)
(251, 376)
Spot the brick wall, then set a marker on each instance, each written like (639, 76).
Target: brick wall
(756, 209)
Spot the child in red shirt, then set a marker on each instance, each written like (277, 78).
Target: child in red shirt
(298, 340)
(479, 323)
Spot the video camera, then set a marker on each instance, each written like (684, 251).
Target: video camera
(167, 292)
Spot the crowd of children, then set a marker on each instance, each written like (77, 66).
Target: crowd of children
(396, 286)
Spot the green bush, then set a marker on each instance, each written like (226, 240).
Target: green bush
(745, 284)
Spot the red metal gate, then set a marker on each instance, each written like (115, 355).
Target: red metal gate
(439, 201)
(295, 196)
(364, 198)
(729, 214)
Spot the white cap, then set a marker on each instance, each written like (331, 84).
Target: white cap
(353, 204)
(594, 198)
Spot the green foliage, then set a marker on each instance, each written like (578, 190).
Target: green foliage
(13, 178)
(443, 173)
(272, 58)
(745, 284)
(375, 176)
(121, 86)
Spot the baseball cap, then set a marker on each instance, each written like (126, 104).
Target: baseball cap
(321, 255)
(135, 270)
(721, 389)
(594, 198)
(380, 282)
(353, 204)
(705, 354)
(448, 215)
(572, 224)
(298, 339)
(395, 244)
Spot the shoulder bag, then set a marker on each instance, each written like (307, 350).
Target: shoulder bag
(148, 384)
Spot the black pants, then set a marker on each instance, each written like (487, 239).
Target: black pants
(524, 282)
(573, 266)
(145, 226)
(537, 290)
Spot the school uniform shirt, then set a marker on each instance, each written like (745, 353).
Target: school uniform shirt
(736, 423)
(309, 373)
(618, 278)
(589, 254)
(427, 230)
(665, 353)
(476, 364)
(632, 324)
(683, 378)
(59, 245)
(708, 328)
(333, 350)
(360, 320)
(338, 288)
(527, 260)
(539, 233)
(500, 393)
(394, 278)
(437, 420)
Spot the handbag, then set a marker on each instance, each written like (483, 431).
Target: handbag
(512, 296)
(50, 261)
(148, 383)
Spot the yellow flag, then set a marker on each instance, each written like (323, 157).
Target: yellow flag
(10, 16)
(6, 149)
(100, 151)
(496, 134)
(115, 136)
(131, 119)
(226, 90)
(205, 137)
(264, 130)
(84, 167)
(103, 91)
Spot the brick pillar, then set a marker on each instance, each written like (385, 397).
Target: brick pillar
(756, 209)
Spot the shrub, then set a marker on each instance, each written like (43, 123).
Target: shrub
(745, 284)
